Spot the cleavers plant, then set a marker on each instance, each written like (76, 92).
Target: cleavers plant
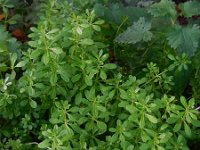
(62, 93)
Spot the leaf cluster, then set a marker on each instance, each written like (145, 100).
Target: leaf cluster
(63, 93)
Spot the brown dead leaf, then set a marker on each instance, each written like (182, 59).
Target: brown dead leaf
(2, 16)
(19, 35)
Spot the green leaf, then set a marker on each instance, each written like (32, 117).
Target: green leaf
(64, 73)
(57, 50)
(172, 120)
(117, 13)
(187, 129)
(164, 126)
(190, 8)
(45, 58)
(13, 58)
(111, 94)
(31, 91)
(33, 43)
(145, 137)
(86, 42)
(177, 127)
(104, 57)
(110, 66)
(124, 94)
(102, 126)
(101, 108)
(78, 98)
(184, 39)
(3, 67)
(192, 102)
(3, 47)
(53, 31)
(130, 147)
(35, 54)
(152, 118)
(171, 57)
(79, 30)
(139, 31)
(96, 27)
(163, 8)
(88, 80)
(132, 109)
(160, 147)
(99, 22)
(163, 137)
(44, 144)
(183, 101)
(21, 64)
(33, 104)
(103, 75)
(196, 123)
(53, 78)
(76, 78)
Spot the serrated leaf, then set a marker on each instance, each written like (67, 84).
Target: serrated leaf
(139, 31)
(115, 13)
(190, 8)
(163, 8)
(184, 39)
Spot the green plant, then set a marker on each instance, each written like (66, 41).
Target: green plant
(157, 30)
(63, 93)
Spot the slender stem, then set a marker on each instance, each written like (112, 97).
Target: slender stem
(125, 19)
(198, 108)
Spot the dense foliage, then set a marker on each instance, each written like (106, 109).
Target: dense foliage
(110, 77)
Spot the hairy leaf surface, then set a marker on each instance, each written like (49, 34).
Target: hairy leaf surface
(185, 39)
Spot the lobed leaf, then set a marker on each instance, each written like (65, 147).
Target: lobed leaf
(139, 31)
(184, 39)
